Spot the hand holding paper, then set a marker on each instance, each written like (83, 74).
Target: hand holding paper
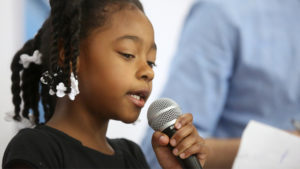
(265, 147)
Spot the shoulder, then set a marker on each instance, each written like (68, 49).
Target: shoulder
(228, 4)
(202, 9)
(30, 137)
(31, 146)
(234, 9)
(231, 10)
(209, 19)
(28, 134)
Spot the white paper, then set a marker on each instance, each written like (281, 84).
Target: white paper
(266, 147)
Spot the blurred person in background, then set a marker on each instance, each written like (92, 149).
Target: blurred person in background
(236, 61)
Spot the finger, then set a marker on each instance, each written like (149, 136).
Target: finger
(203, 156)
(182, 133)
(188, 142)
(163, 153)
(198, 149)
(159, 139)
(184, 145)
(183, 120)
(296, 133)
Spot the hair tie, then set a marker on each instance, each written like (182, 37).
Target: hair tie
(26, 59)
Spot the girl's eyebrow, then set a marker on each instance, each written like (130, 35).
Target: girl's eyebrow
(135, 39)
(130, 37)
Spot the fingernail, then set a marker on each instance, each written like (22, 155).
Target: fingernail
(178, 125)
(173, 142)
(182, 155)
(161, 138)
(203, 156)
(175, 151)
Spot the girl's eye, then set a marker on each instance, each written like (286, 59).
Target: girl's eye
(126, 55)
(151, 64)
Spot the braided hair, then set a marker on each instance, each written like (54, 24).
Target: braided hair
(70, 21)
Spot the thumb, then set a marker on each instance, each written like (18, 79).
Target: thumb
(163, 153)
(159, 139)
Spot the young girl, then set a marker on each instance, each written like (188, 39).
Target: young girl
(90, 62)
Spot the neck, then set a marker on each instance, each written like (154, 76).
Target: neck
(75, 120)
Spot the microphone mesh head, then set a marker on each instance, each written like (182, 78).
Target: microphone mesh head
(161, 112)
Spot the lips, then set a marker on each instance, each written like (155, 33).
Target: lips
(138, 97)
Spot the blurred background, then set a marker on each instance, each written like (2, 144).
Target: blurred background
(20, 20)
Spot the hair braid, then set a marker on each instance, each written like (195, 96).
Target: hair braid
(16, 68)
(57, 8)
(67, 55)
(29, 47)
(25, 93)
(31, 82)
(46, 102)
(75, 38)
(30, 88)
(71, 41)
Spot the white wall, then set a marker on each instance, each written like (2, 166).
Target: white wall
(166, 16)
(11, 39)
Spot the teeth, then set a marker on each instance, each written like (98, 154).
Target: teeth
(136, 97)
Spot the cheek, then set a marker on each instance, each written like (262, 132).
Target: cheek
(102, 75)
(118, 70)
(150, 85)
(109, 77)
(114, 75)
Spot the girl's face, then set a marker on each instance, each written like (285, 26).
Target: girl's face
(115, 66)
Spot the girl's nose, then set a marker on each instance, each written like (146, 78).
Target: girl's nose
(145, 72)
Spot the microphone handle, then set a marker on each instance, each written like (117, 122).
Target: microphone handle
(189, 163)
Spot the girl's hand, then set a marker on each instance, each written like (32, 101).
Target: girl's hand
(185, 142)
(296, 133)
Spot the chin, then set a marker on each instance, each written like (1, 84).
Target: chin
(131, 119)
(128, 121)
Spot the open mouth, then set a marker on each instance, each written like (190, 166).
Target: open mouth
(139, 97)
(136, 96)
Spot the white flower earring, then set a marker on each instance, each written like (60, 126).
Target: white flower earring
(61, 89)
(74, 87)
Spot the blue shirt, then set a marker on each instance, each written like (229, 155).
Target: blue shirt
(236, 61)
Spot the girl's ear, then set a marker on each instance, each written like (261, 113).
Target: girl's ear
(61, 57)
(78, 62)
(82, 55)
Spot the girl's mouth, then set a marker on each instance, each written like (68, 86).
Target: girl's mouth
(139, 97)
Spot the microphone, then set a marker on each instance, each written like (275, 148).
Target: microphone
(162, 115)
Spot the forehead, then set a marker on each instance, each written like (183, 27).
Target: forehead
(127, 21)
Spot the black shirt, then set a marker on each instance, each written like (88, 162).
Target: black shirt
(46, 147)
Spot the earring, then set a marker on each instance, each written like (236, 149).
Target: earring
(59, 88)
